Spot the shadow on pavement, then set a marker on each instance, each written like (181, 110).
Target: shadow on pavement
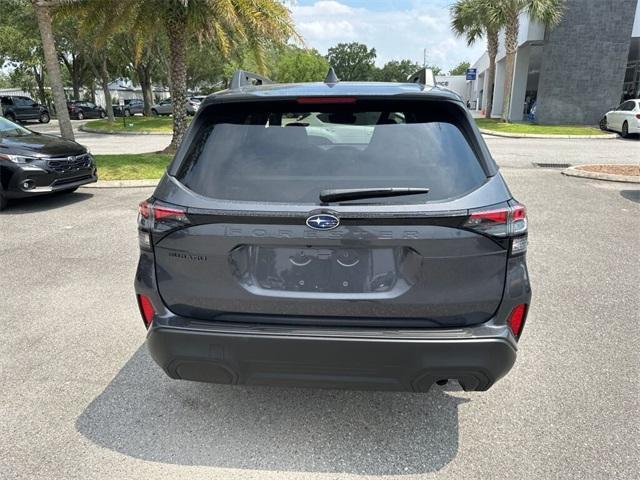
(633, 195)
(45, 202)
(144, 414)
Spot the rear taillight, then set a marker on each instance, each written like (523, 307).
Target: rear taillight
(158, 217)
(146, 309)
(638, 116)
(516, 319)
(505, 222)
(158, 212)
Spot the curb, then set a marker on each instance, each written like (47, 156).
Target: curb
(82, 128)
(610, 177)
(484, 131)
(122, 184)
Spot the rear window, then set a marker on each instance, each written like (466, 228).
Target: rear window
(275, 153)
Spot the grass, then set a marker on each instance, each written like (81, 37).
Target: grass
(134, 124)
(132, 167)
(499, 126)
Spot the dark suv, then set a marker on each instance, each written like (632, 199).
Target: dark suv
(337, 234)
(22, 109)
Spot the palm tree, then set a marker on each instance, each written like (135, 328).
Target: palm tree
(43, 15)
(473, 19)
(224, 23)
(547, 12)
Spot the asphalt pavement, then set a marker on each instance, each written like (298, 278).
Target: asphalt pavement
(81, 398)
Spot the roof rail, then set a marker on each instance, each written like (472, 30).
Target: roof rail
(424, 76)
(242, 78)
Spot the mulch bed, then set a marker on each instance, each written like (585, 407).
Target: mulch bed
(632, 170)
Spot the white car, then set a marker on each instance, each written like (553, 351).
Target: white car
(625, 119)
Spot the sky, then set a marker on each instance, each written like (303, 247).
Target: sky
(397, 29)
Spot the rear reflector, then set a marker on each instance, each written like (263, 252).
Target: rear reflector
(320, 100)
(516, 319)
(146, 309)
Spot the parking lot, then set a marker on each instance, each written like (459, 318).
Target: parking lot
(81, 397)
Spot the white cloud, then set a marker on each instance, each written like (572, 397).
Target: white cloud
(395, 34)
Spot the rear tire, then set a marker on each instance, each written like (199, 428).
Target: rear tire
(80, 116)
(154, 112)
(44, 118)
(103, 115)
(625, 130)
(603, 124)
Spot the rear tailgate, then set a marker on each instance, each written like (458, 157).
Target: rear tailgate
(423, 270)
(249, 182)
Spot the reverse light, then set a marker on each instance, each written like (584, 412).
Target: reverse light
(146, 309)
(516, 319)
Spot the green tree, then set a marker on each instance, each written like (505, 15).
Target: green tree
(300, 65)
(460, 69)
(507, 13)
(476, 19)
(225, 24)
(352, 61)
(43, 15)
(397, 71)
(21, 46)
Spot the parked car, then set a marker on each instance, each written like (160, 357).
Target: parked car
(22, 109)
(391, 260)
(80, 110)
(193, 103)
(131, 107)
(165, 107)
(624, 119)
(35, 164)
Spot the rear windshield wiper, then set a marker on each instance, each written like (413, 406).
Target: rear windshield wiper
(343, 195)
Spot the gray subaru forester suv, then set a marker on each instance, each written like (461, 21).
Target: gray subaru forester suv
(334, 234)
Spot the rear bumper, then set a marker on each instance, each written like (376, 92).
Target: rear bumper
(331, 358)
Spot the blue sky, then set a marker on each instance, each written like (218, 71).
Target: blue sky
(397, 29)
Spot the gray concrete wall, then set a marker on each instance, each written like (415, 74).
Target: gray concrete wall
(584, 61)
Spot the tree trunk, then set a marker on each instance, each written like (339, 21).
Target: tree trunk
(39, 76)
(43, 16)
(492, 41)
(104, 81)
(176, 29)
(145, 83)
(511, 46)
(92, 90)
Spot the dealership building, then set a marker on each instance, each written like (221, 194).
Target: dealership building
(574, 72)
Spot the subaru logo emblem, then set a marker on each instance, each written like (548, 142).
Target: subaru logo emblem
(322, 222)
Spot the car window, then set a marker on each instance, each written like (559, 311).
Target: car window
(290, 156)
(6, 101)
(629, 106)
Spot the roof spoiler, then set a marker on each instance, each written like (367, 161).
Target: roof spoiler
(424, 76)
(242, 78)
